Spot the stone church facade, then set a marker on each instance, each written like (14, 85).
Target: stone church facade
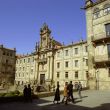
(53, 62)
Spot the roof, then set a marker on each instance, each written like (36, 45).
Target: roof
(93, 4)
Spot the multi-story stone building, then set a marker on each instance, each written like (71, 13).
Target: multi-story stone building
(25, 69)
(54, 62)
(98, 39)
(7, 65)
(71, 64)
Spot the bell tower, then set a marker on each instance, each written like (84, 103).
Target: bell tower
(44, 37)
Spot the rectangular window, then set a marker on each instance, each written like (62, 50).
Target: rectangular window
(28, 60)
(86, 62)
(66, 52)
(76, 63)
(108, 48)
(58, 54)
(66, 74)
(58, 75)
(66, 64)
(107, 27)
(87, 74)
(76, 50)
(24, 60)
(76, 74)
(109, 72)
(58, 65)
(86, 50)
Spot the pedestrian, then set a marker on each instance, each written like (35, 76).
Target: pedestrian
(57, 95)
(29, 93)
(25, 93)
(70, 92)
(79, 89)
(65, 94)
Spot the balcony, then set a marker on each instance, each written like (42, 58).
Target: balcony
(102, 61)
(101, 38)
(44, 60)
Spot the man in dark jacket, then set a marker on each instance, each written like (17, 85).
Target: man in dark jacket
(70, 91)
(29, 93)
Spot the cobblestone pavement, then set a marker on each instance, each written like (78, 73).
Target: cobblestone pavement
(92, 100)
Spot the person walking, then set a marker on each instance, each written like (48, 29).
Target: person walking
(79, 89)
(29, 93)
(25, 93)
(70, 92)
(57, 95)
(65, 94)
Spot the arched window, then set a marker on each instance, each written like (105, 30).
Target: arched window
(106, 9)
(96, 13)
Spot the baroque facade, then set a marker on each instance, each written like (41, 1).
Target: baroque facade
(98, 39)
(7, 65)
(53, 62)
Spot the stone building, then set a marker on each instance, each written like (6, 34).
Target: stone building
(25, 69)
(71, 64)
(54, 62)
(7, 65)
(98, 39)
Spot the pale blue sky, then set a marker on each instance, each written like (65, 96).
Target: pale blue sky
(21, 20)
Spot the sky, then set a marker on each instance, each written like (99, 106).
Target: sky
(21, 20)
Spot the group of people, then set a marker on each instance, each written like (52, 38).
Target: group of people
(27, 93)
(67, 93)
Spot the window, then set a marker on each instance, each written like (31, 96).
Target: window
(96, 13)
(24, 60)
(66, 64)
(107, 27)
(58, 65)
(87, 74)
(86, 62)
(20, 61)
(106, 9)
(4, 53)
(58, 75)
(108, 48)
(23, 68)
(43, 67)
(43, 56)
(7, 54)
(28, 60)
(66, 74)
(86, 50)
(109, 72)
(11, 54)
(76, 50)
(76, 74)
(58, 54)
(66, 52)
(76, 63)
(33, 59)
(7, 61)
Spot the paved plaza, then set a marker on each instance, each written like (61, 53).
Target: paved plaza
(92, 100)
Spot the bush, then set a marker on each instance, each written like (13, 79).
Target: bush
(2, 94)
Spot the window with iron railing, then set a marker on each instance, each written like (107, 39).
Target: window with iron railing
(107, 27)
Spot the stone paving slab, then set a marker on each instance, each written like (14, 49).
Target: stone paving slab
(92, 100)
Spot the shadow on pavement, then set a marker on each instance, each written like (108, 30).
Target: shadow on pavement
(42, 104)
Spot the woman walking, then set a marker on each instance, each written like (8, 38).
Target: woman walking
(57, 95)
(65, 94)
